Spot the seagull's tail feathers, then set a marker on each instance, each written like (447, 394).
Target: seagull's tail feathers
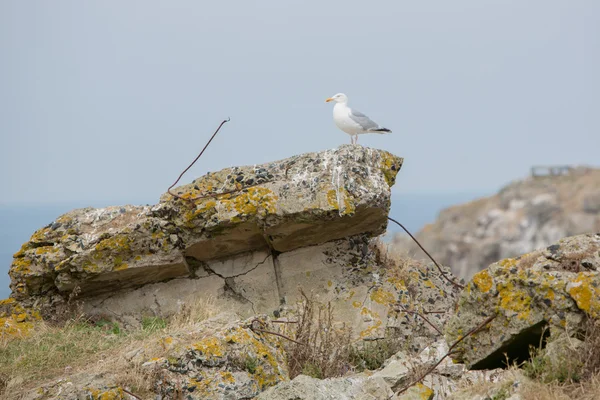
(380, 130)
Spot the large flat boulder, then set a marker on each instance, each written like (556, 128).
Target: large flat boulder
(276, 207)
(550, 291)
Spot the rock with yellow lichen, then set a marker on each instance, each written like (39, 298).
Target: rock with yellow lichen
(547, 292)
(292, 203)
(79, 386)
(280, 206)
(16, 321)
(227, 359)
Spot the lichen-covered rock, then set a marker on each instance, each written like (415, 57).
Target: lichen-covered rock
(98, 250)
(16, 321)
(228, 360)
(550, 291)
(304, 200)
(357, 386)
(300, 201)
(81, 386)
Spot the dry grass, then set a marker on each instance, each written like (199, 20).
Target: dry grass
(325, 347)
(572, 362)
(91, 347)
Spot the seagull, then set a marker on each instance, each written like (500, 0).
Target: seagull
(351, 121)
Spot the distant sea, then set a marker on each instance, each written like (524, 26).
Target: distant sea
(18, 222)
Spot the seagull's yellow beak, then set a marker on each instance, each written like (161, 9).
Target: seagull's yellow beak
(328, 100)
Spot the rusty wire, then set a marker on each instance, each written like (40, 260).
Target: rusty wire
(458, 285)
(255, 328)
(131, 394)
(450, 351)
(422, 316)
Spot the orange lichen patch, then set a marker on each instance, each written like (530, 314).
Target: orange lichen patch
(210, 347)
(382, 297)
(201, 209)
(398, 283)
(356, 304)
(428, 283)
(420, 391)
(40, 236)
(256, 200)
(15, 320)
(586, 293)
(483, 281)
(21, 265)
(46, 250)
(508, 262)
(515, 300)
(390, 165)
(117, 243)
(226, 376)
(22, 250)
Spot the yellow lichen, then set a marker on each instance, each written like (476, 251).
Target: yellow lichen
(210, 347)
(21, 265)
(483, 281)
(515, 300)
(389, 167)
(507, 262)
(46, 249)
(583, 289)
(382, 297)
(255, 200)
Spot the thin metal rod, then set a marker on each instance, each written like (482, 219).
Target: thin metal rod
(458, 285)
(196, 159)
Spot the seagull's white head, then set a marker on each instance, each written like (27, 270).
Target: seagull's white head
(338, 98)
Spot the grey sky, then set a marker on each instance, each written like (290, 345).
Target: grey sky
(109, 100)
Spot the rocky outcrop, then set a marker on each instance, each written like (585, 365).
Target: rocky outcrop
(549, 292)
(276, 207)
(309, 224)
(522, 217)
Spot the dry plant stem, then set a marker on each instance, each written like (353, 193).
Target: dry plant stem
(422, 316)
(458, 285)
(450, 351)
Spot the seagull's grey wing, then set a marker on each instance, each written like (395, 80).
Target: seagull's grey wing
(365, 122)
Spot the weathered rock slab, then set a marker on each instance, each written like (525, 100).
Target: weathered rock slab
(280, 206)
(550, 291)
(351, 387)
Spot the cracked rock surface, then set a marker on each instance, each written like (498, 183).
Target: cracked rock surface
(280, 206)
